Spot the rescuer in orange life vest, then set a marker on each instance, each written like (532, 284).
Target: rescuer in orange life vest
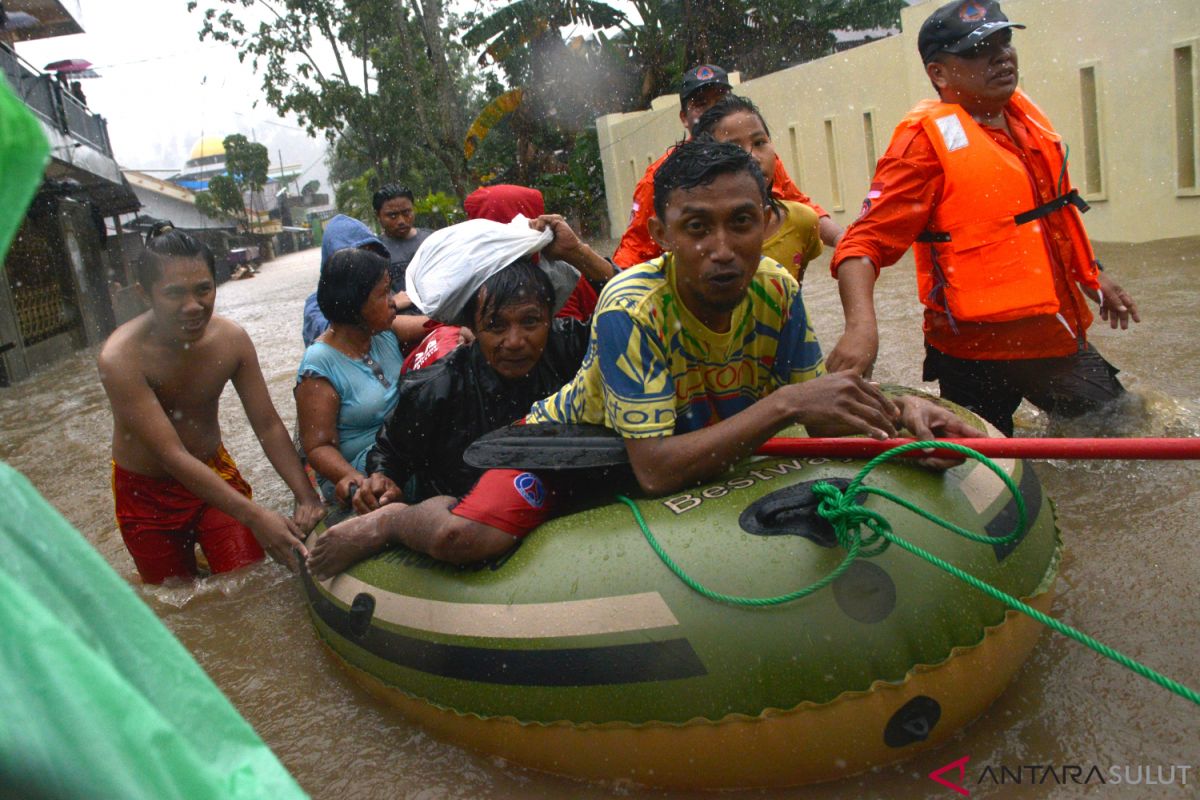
(977, 179)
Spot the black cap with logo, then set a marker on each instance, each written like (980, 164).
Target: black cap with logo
(697, 78)
(959, 26)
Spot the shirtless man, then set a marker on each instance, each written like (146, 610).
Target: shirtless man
(173, 482)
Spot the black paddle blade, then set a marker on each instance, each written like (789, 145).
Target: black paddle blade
(547, 447)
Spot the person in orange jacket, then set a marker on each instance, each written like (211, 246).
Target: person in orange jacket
(702, 87)
(976, 182)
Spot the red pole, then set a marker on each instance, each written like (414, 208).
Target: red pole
(1124, 449)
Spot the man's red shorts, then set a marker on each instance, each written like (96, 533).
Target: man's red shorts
(161, 523)
(512, 500)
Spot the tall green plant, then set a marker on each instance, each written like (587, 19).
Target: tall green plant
(353, 197)
(578, 192)
(437, 210)
(232, 193)
(223, 200)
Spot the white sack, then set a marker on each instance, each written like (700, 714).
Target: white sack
(453, 262)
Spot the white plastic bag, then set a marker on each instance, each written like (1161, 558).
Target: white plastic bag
(452, 263)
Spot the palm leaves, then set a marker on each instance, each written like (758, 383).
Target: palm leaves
(508, 30)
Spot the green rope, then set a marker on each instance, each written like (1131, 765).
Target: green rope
(847, 517)
(853, 549)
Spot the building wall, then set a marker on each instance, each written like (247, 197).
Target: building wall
(182, 213)
(1132, 120)
(55, 292)
(90, 281)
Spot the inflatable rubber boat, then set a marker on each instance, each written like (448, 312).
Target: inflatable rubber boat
(581, 654)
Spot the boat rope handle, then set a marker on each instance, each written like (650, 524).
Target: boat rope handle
(847, 518)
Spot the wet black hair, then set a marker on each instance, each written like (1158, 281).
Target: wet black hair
(733, 104)
(729, 104)
(698, 162)
(391, 192)
(346, 281)
(164, 242)
(521, 281)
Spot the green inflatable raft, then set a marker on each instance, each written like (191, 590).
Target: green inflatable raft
(582, 654)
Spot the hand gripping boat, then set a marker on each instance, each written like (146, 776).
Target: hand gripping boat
(582, 654)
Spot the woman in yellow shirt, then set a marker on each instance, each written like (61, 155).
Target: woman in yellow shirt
(792, 230)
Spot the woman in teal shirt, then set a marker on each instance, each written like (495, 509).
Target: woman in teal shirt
(346, 384)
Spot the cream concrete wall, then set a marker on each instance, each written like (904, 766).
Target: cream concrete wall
(1130, 47)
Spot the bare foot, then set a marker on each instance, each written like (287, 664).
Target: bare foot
(349, 542)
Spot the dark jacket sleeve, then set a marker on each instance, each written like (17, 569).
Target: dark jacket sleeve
(393, 450)
(402, 444)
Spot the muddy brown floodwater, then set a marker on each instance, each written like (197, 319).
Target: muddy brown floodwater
(1130, 577)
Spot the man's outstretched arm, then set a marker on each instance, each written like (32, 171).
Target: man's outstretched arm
(273, 435)
(840, 404)
(833, 405)
(568, 247)
(859, 345)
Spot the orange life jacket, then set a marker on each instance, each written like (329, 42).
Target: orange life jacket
(985, 257)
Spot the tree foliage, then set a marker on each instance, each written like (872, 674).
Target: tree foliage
(769, 35)
(390, 83)
(232, 193)
(567, 83)
(577, 192)
(437, 210)
(384, 79)
(660, 39)
(352, 196)
(510, 31)
(221, 200)
(753, 37)
(247, 162)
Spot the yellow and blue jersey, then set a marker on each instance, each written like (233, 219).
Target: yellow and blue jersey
(653, 369)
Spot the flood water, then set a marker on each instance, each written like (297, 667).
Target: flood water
(1130, 577)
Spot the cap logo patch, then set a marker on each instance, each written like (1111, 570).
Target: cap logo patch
(704, 73)
(972, 12)
(530, 487)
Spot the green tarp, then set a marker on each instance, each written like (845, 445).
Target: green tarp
(97, 698)
(23, 152)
